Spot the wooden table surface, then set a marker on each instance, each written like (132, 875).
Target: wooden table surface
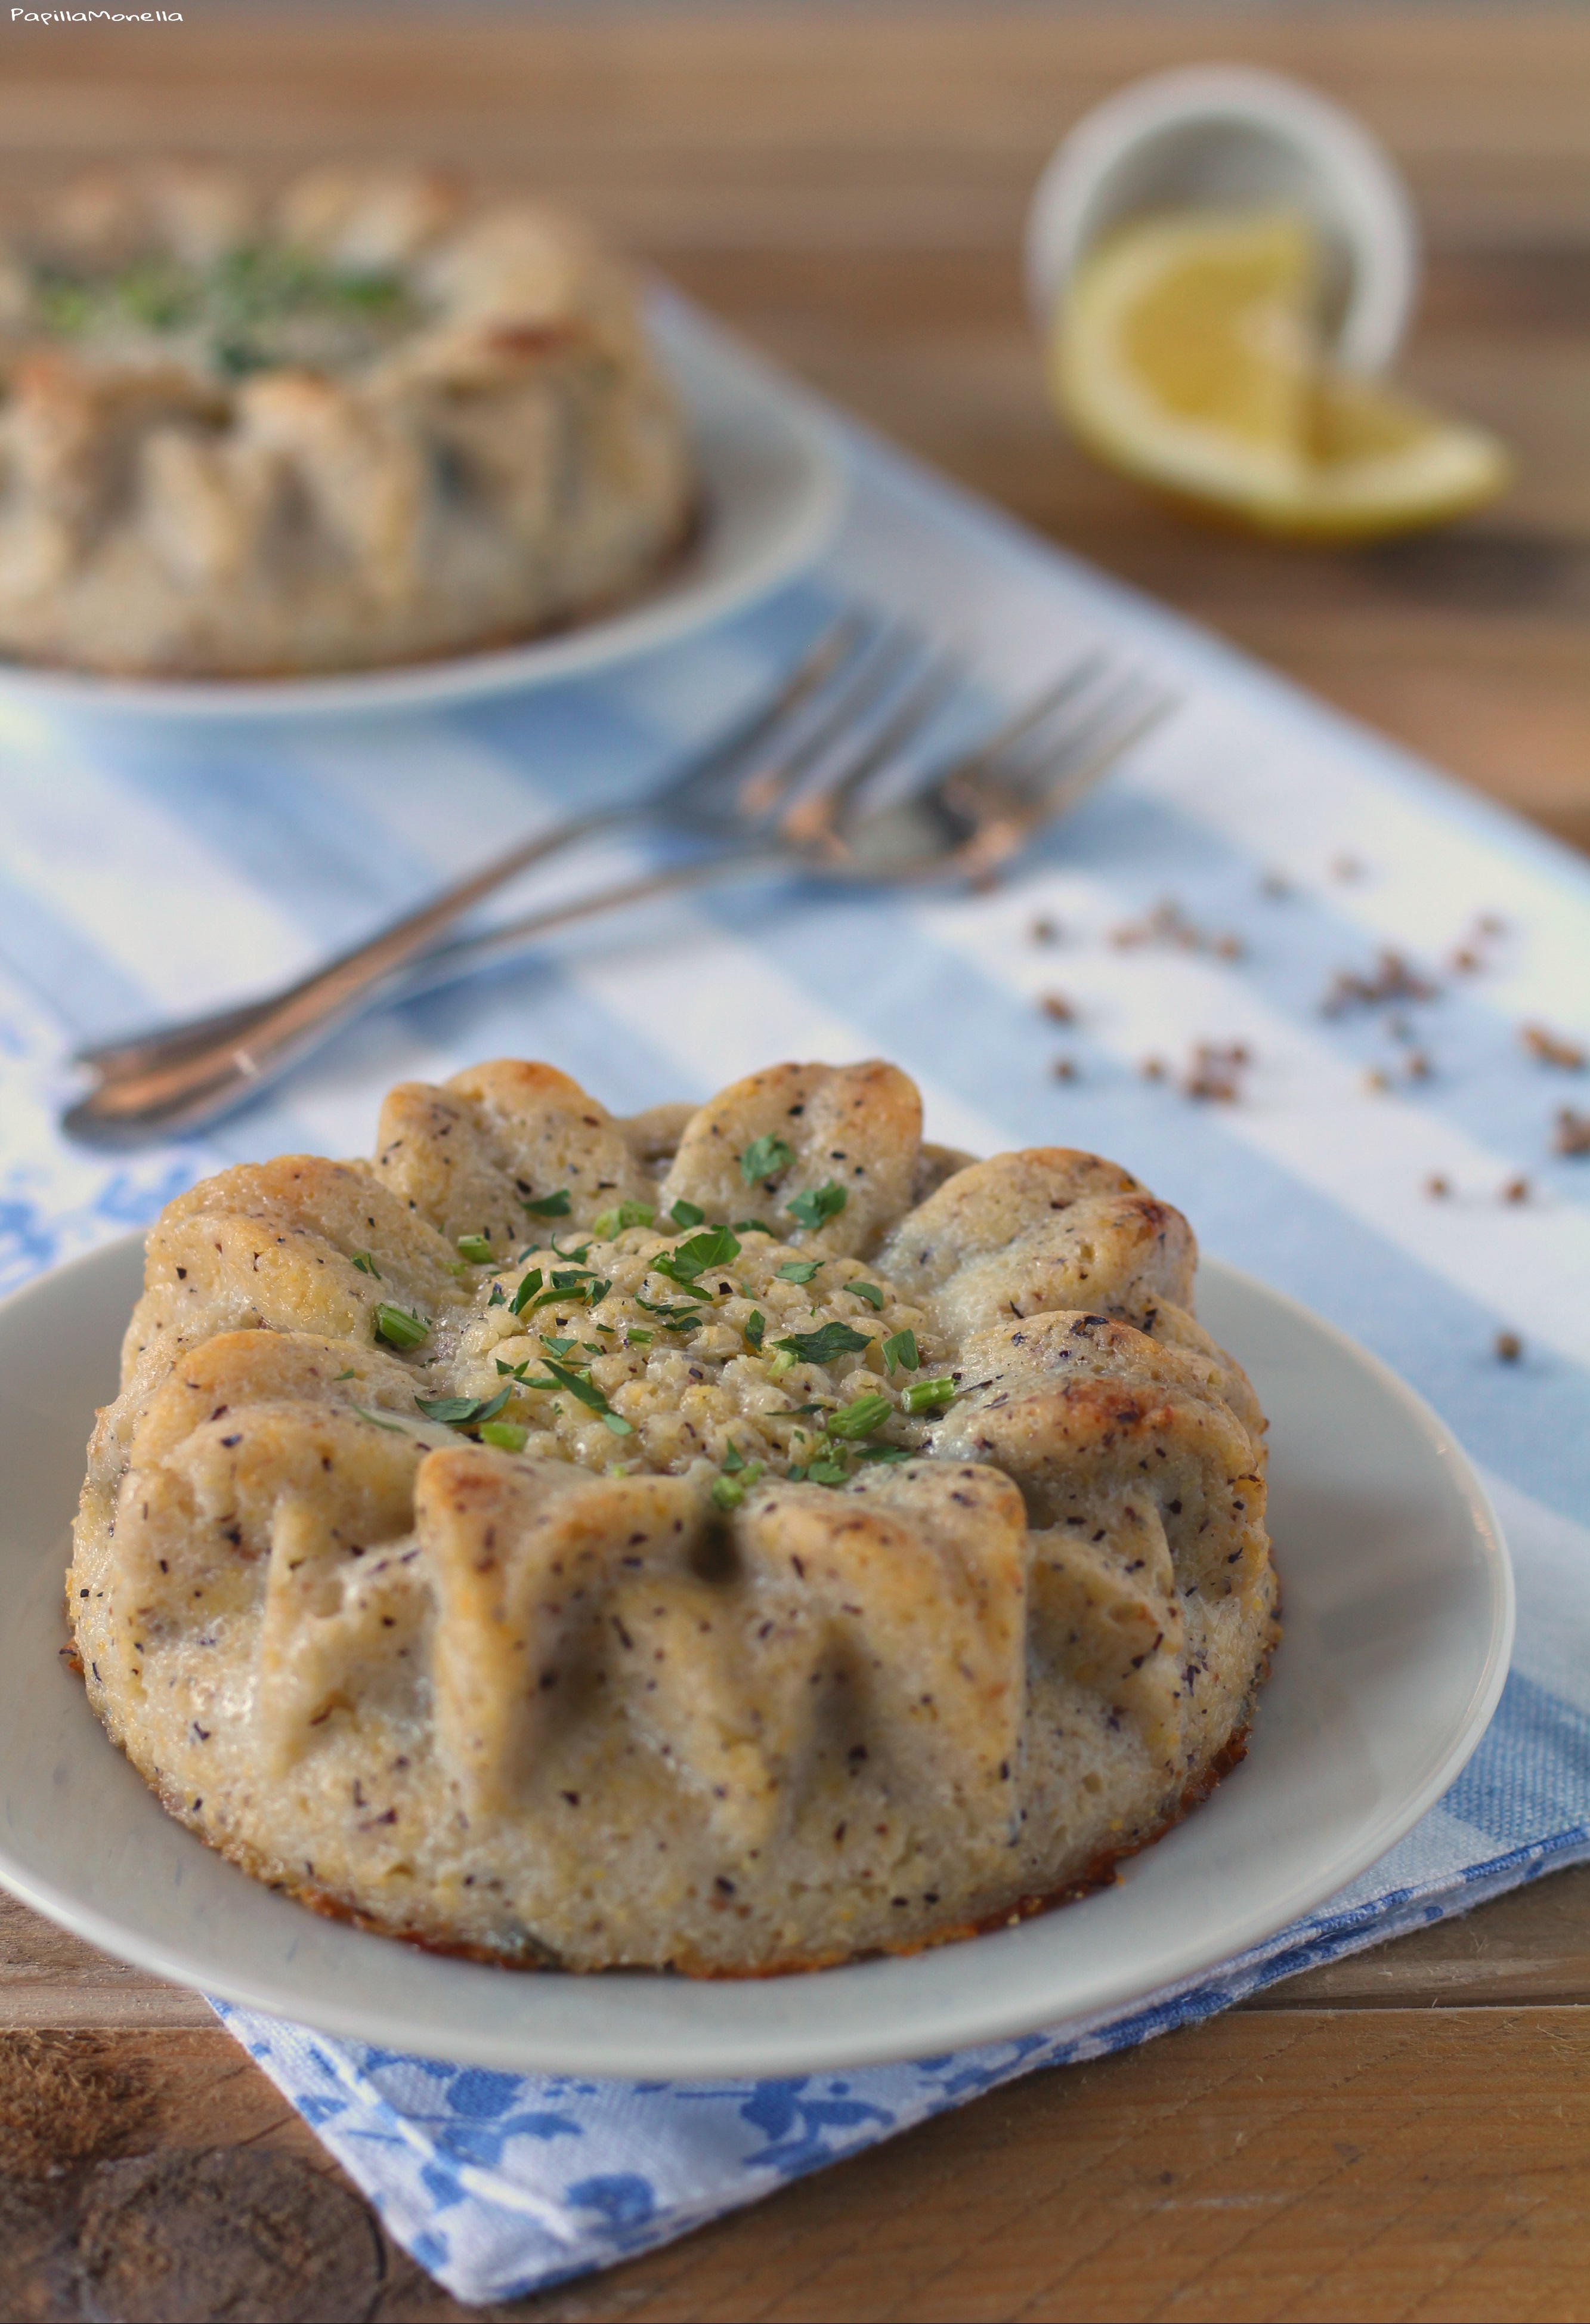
(1403, 2134)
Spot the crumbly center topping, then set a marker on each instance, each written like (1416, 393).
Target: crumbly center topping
(246, 310)
(719, 1353)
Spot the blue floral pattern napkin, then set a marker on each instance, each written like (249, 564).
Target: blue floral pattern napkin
(1262, 882)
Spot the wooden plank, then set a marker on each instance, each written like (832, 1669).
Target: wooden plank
(1311, 2164)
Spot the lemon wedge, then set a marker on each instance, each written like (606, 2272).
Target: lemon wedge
(1190, 355)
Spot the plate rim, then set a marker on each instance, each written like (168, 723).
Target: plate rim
(641, 627)
(800, 2048)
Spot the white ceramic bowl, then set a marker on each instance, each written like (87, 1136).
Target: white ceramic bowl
(1228, 136)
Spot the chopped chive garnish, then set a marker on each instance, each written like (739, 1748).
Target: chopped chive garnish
(899, 1352)
(873, 1293)
(400, 1327)
(739, 1476)
(507, 1435)
(636, 1338)
(765, 1157)
(624, 1214)
(798, 1270)
(476, 1249)
(529, 1286)
(546, 1206)
(755, 1324)
(860, 1419)
(463, 1411)
(366, 1265)
(687, 1214)
(342, 1376)
(818, 1204)
(823, 1345)
(929, 1394)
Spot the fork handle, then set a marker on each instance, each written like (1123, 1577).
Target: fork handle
(185, 1094)
(338, 983)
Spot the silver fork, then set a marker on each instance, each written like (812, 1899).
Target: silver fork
(811, 794)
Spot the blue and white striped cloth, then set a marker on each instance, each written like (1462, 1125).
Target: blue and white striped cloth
(141, 873)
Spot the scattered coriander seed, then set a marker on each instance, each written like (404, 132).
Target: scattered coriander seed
(1551, 1049)
(1063, 1070)
(1056, 1005)
(1436, 1187)
(1045, 931)
(1509, 1347)
(1516, 1190)
(1153, 1069)
(1230, 946)
(1376, 1080)
(1466, 960)
(1417, 1067)
(400, 1327)
(1572, 1135)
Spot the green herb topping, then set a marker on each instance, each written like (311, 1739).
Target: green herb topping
(693, 1258)
(798, 1270)
(755, 1324)
(401, 1327)
(529, 1286)
(899, 1352)
(860, 1419)
(826, 1344)
(929, 1394)
(476, 1249)
(687, 1214)
(818, 1204)
(463, 1411)
(626, 1215)
(765, 1157)
(873, 1293)
(546, 1206)
(366, 1265)
(507, 1435)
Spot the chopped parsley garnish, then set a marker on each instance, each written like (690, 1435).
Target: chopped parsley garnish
(587, 1393)
(463, 1411)
(401, 1327)
(755, 1226)
(818, 1204)
(899, 1352)
(873, 1293)
(679, 1319)
(826, 1344)
(626, 1215)
(693, 1258)
(687, 1214)
(765, 1157)
(497, 1298)
(929, 1394)
(755, 1324)
(570, 1278)
(366, 1265)
(476, 1249)
(860, 1419)
(529, 1286)
(507, 1435)
(342, 1376)
(798, 1270)
(559, 1347)
(546, 1206)
(827, 1472)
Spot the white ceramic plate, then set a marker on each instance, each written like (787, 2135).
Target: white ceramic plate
(774, 487)
(1399, 1622)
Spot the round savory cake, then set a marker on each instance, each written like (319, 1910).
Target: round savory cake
(366, 422)
(728, 1539)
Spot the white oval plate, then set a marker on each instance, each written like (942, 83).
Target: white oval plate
(1398, 1604)
(774, 488)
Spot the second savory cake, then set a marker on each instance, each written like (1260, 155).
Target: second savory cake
(732, 1538)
